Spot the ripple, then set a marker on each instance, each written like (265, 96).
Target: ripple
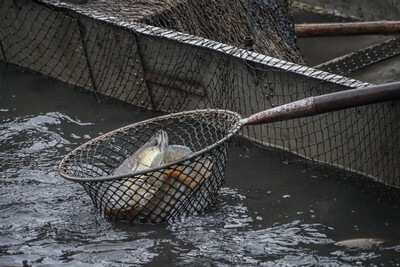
(33, 142)
(211, 236)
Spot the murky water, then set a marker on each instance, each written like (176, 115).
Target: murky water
(269, 212)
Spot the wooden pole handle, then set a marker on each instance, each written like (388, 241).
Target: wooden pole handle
(326, 103)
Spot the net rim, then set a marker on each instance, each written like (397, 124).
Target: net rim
(231, 132)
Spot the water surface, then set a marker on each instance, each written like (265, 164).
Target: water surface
(270, 211)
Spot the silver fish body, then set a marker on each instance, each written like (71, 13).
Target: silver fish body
(149, 196)
(149, 155)
(176, 152)
(135, 192)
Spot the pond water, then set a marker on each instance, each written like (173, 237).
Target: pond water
(269, 211)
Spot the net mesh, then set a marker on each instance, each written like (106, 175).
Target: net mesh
(183, 55)
(362, 58)
(185, 187)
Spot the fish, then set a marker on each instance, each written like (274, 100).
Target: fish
(151, 154)
(154, 197)
(191, 175)
(360, 242)
(132, 194)
(176, 152)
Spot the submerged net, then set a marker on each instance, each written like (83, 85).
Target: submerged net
(183, 55)
(362, 58)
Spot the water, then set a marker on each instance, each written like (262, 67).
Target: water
(269, 212)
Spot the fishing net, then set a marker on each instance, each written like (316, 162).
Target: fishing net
(362, 58)
(363, 10)
(184, 55)
(165, 192)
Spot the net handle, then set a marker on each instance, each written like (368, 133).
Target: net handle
(326, 103)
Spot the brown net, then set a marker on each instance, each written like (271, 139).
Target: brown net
(268, 23)
(138, 53)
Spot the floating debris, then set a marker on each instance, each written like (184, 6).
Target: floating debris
(360, 242)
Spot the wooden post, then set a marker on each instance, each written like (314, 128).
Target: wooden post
(347, 28)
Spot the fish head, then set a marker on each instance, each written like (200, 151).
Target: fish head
(160, 140)
(152, 153)
(149, 155)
